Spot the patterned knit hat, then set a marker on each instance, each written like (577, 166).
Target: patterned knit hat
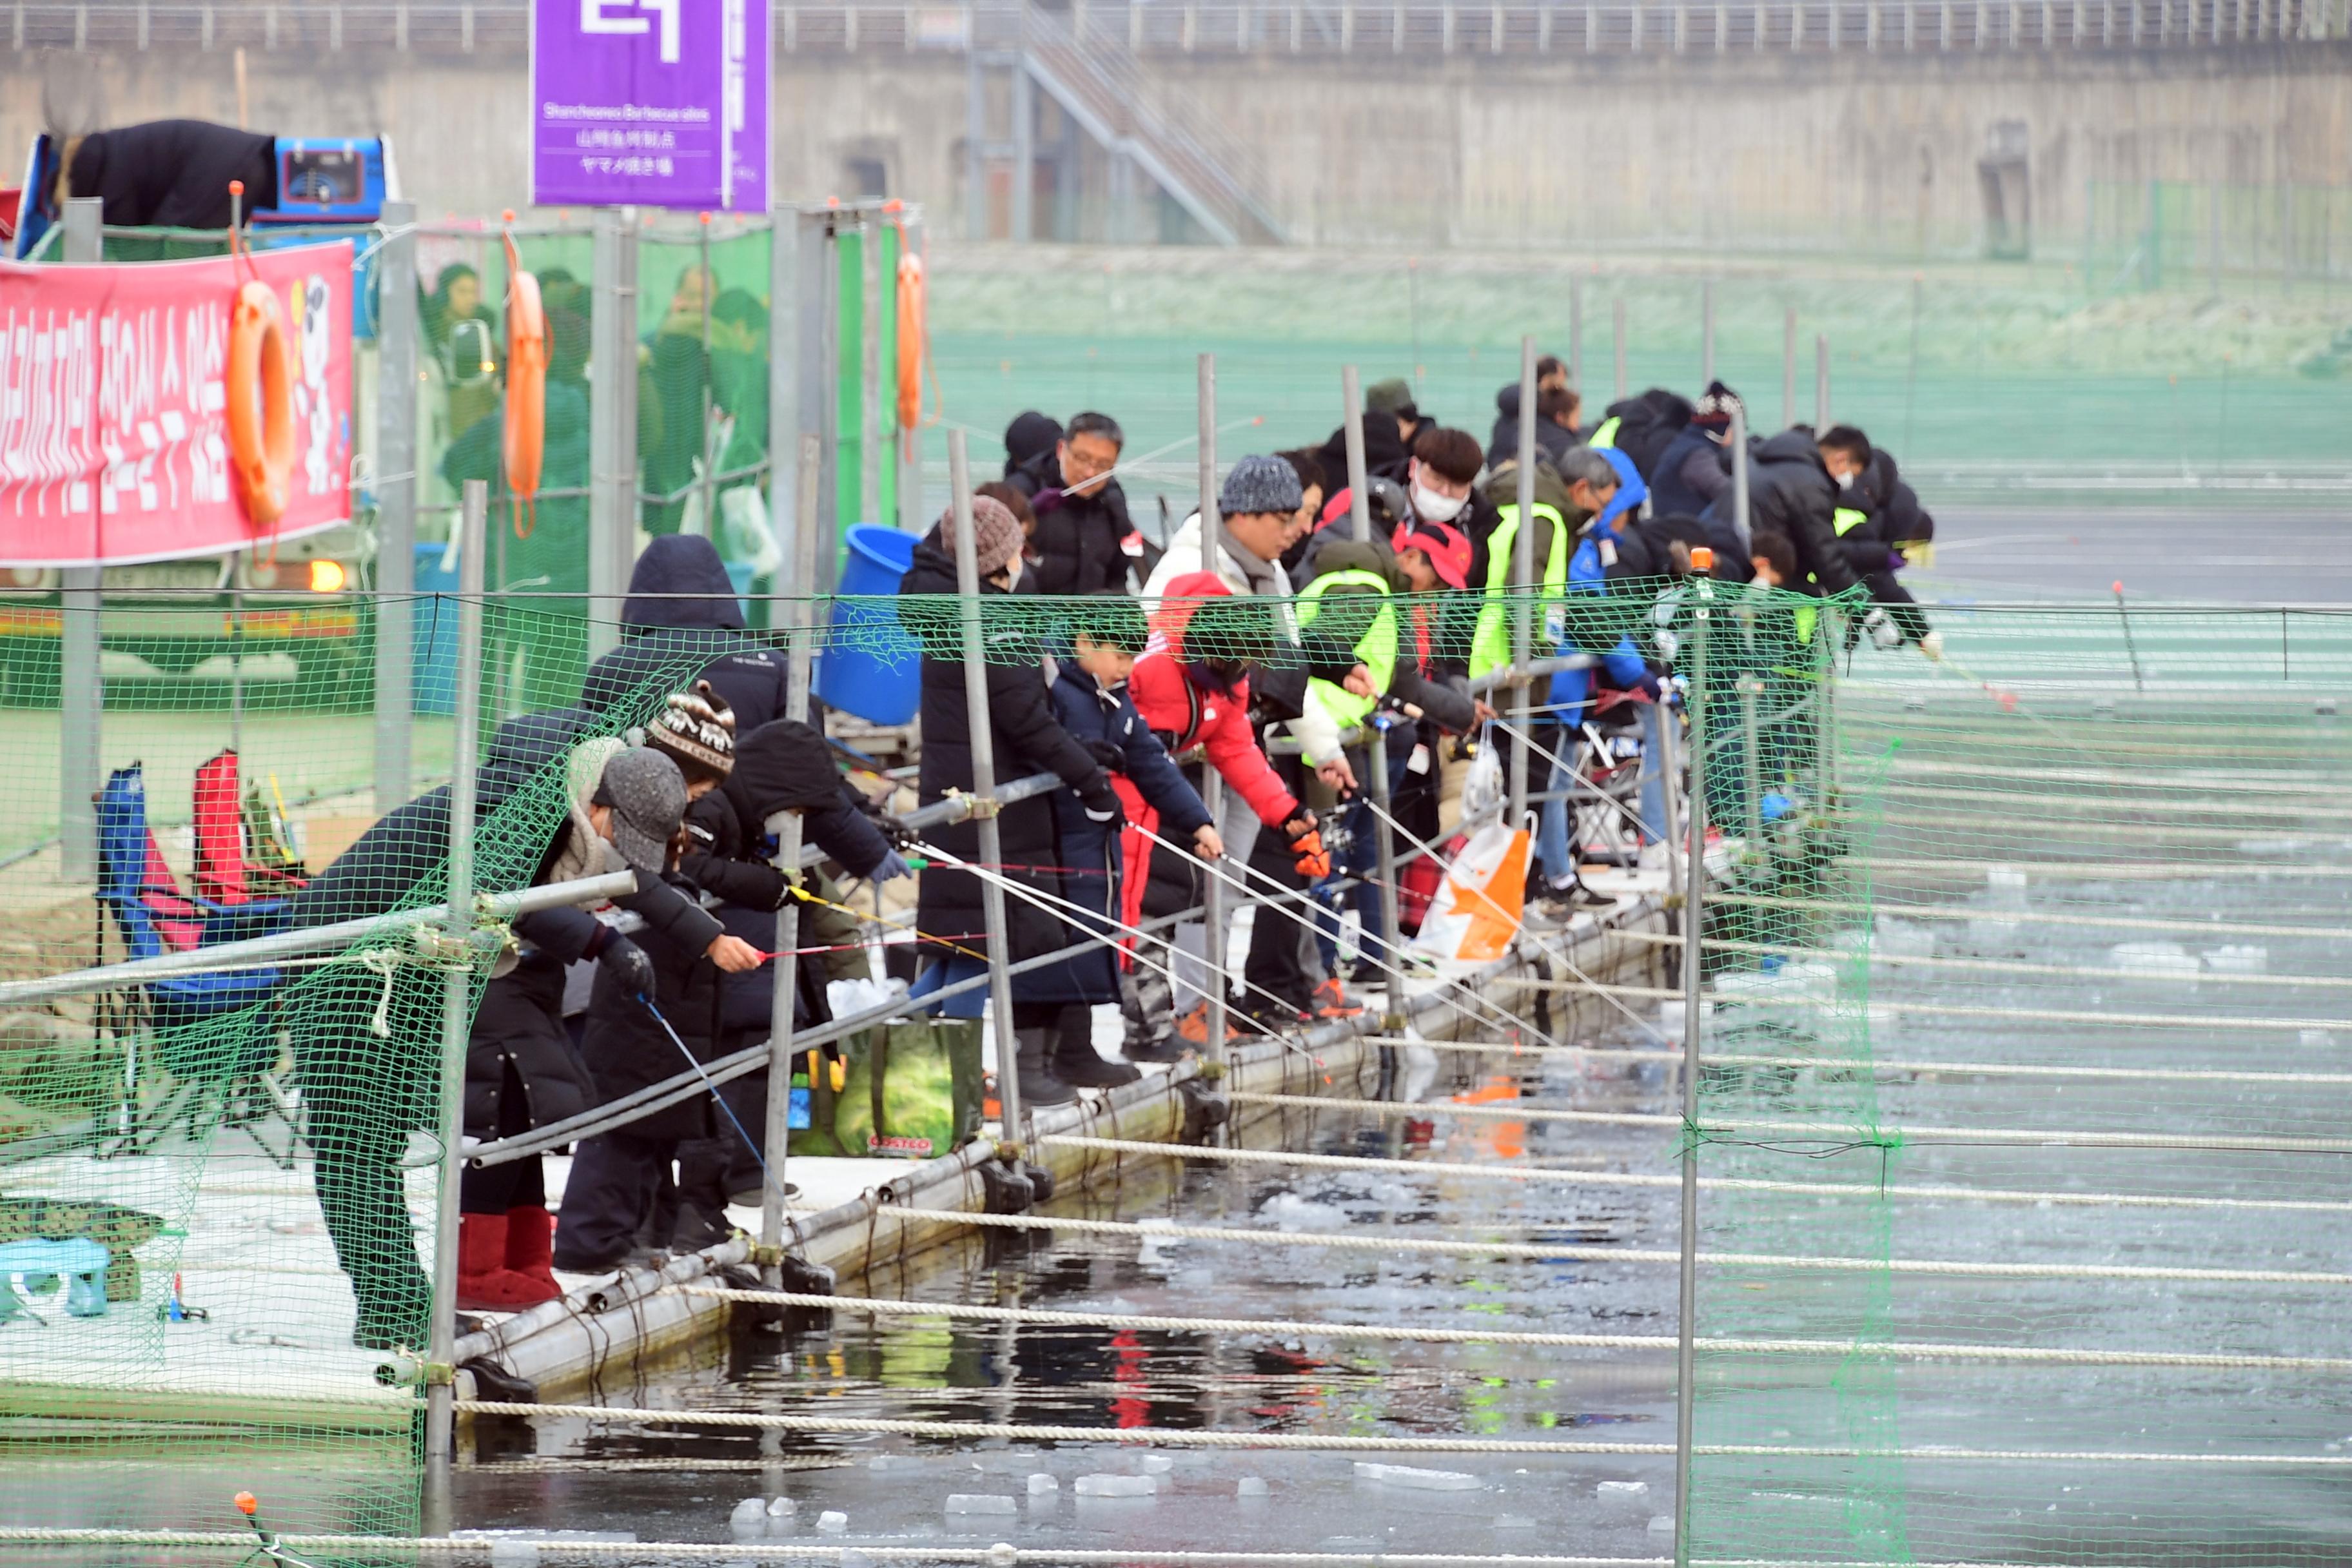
(696, 729)
(1714, 407)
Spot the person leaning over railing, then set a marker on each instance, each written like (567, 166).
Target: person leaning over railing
(366, 1036)
(1027, 739)
(730, 855)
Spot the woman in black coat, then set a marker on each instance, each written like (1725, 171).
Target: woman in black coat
(1028, 739)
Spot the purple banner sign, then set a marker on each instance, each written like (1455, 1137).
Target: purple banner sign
(651, 102)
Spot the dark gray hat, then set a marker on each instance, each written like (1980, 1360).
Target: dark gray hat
(647, 794)
(1259, 483)
(1391, 396)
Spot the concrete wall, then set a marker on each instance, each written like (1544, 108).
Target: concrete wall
(1812, 150)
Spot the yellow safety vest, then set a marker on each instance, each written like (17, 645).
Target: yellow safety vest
(1605, 434)
(1377, 649)
(1490, 644)
(1846, 520)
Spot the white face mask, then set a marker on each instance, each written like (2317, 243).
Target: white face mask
(1431, 507)
(1845, 480)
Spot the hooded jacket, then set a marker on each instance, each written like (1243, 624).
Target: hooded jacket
(778, 767)
(174, 174)
(1080, 544)
(1411, 681)
(1188, 705)
(1690, 473)
(1895, 516)
(1647, 424)
(1385, 453)
(1790, 492)
(664, 636)
(1502, 446)
(1028, 739)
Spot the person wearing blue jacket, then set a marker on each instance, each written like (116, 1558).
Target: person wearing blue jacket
(1088, 690)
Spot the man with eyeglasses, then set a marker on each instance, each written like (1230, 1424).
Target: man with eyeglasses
(1084, 543)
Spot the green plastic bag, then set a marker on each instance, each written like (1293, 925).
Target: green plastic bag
(911, 1092)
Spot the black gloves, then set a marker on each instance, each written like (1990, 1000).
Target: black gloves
(1101, 802)
(626, 962)
(1108, 755)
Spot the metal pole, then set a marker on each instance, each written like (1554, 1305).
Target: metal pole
(1694, 927)
(1617, 341)
(1669, 786)
(457, 992)
(1789, 368)
(801, 629)
(612, 422)
(827, 369)
(1739, 515)
(1376, 750)
(82, 691)
(1705, 335)
(1024, 154)
(237, 671)
(1821, 382)
(869, 371)
(1752, 759)
(1213, 554)
(984, 786)
(395, 514)
(1575, 335)
(1523, 573)
(702, 431)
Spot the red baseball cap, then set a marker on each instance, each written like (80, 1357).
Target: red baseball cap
(1447, 547)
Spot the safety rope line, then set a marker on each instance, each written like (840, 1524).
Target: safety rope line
(1541, 1174)
(1897, 1135)
(2029, 917)
(2051, 1355)
(1959, 1010)
(1174, 1437)
(1997, 966)
(1988, 1069)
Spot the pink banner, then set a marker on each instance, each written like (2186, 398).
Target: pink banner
(113, 435)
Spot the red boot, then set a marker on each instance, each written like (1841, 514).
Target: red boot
(485, 1284)
(531, 1251)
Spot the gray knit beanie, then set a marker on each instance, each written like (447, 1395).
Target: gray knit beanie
(1258, 484)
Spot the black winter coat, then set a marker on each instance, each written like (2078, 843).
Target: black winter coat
(1502, 446)
(670, 643)
(1080, 544)
(1690, 474)
(730, 858)
(1648, 422)
(1385, 454)
(1092, 859)
(1790, 492)
(1895, 516)
(1028, 739)
(174, 173)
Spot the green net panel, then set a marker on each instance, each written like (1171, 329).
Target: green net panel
(2025, 1040)
(249, 1158)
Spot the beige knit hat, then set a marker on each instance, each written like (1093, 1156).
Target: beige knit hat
(696, 729)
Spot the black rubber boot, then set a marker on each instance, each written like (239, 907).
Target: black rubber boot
(1039, 1085)
(1076, 1060)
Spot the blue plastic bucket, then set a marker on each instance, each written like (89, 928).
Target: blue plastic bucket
(870, 666)
(433, 662)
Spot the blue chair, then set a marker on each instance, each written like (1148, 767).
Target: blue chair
(219, 1063)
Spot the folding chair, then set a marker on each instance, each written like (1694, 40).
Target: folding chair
(206, 1070)
(236, 849)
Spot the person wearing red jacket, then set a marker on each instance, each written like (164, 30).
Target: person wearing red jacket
(1191, 686)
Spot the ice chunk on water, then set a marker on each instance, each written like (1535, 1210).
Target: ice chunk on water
(749, 1518)
(1157, 1464)
(2314, 1037)
(1621, 1491)
(1903, 939)
(1288, 1211)
(783, 1507)
(1424, 1480)
(2155, 960)
(981, 1503)
(2238, 960)
(2005, 879)
(1662, 1524)
(1252, 1486)
(1041, 1483)
(514, 1554)
(1118, 1486)
(833, 1521)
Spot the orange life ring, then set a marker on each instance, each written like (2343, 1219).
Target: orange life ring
(260, 382)
(526, 403)
(911, 346)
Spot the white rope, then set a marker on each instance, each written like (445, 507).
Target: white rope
(1959, 1010)
(1171, 1437)
(1990, 1069)
(1997, 965)
(2032, 917)
(885, 1307)
(1749, 1184)
(1000, 1555)
(2027, 1136)
(2107, 870)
